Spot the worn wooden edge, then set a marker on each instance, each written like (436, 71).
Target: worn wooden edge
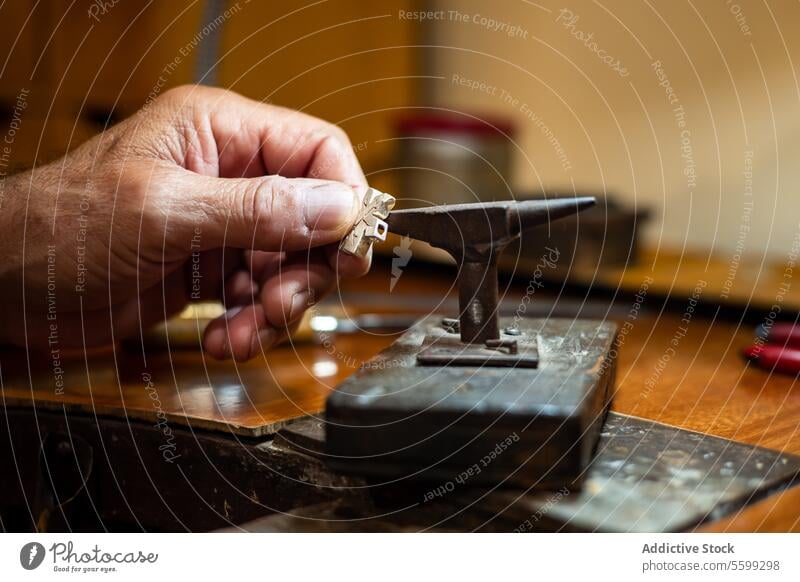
(122, 413)
(765, 515)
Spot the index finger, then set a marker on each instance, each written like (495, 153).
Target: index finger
(248, 138)
(240, 137)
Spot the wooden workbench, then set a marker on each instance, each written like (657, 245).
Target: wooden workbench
(681, 371)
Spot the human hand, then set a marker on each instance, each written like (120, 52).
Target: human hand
(203, 194)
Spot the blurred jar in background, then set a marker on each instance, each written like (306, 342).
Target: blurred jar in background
(452, 158)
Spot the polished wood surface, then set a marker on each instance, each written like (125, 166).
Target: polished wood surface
(190, 388)
(683, 371)
(748, 281)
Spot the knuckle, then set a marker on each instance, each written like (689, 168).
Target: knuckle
(259, 203)
(146, 186)
(338, 134)
(336, 151)
(179, 94)
(185, 95)
(142, 201)
(188, 98)
(137, 187)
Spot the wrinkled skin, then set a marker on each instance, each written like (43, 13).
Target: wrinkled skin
(111, 238)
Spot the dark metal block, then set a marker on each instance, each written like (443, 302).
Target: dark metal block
(514, 426)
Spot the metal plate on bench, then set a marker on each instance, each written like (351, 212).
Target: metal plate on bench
(645, 477)
(511, 351)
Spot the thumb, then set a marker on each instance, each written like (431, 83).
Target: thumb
(269, 213)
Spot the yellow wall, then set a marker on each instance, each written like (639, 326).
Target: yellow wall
(738, 87)
(350, 61)
(343, 60)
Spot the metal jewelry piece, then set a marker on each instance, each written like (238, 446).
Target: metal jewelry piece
(369, 226)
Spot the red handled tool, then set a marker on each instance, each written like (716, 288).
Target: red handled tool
(787, 334)
(779, 348)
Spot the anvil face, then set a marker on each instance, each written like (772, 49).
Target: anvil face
(498, 425)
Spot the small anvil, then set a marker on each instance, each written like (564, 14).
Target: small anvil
(502, 401)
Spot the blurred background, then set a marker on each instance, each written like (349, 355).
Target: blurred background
(680, 116)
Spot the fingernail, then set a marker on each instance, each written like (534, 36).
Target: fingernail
(226, 342)
(299, 304)
(262, 340)
(232, 312)
(329, 206)
(216, 337)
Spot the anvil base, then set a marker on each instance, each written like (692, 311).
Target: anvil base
(489, 425)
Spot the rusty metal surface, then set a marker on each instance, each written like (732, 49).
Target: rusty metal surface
(478, 300)
(475, 231)
(645, 477)
(475, 235)
(512, 349)
(508, 352)
(395, 418)
(649, 476)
